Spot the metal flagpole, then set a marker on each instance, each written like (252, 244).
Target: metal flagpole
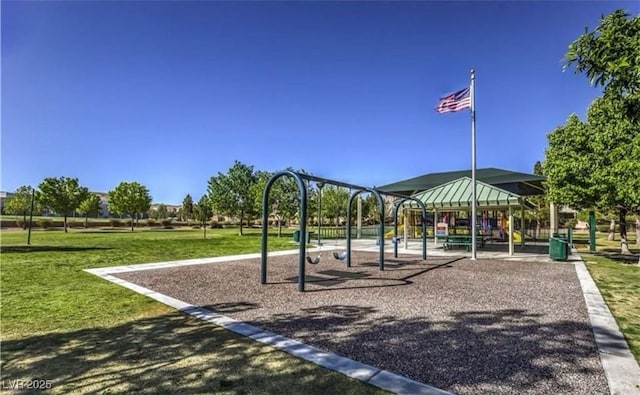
(473, 166)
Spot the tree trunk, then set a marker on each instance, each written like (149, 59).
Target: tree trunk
(86, 221)
(612, 230)
(65, 223)
(624, 247)
(132, 214)
(24, 220)
(241, 221)
(279, 226)
(638, 229)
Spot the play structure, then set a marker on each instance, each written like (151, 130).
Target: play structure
(345, 255)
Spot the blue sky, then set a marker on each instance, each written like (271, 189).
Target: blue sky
(171, 93)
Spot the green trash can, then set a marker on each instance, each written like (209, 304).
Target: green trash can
(296, 236)
(558, 249)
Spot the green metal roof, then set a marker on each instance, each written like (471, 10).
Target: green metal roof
(456, 194)
(522, 184)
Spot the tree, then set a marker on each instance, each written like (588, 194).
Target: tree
(284, 201)
(20, 203)
(187, 208)
(595, 164)
(256, 191)
(607, 171)
(89, 206)
(541, 212)
(161, 211)
(334, 203)
(610, 54)
(202, 212)
(231, 193)
(62, 195)
(129, 198)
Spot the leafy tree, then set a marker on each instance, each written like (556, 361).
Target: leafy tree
(202, 212)
(610, 54)
(603, 168)
(187, 208)
(231, 193)
(257, 188)
(161, 211)
(284, 200)
(89, 206)
(334, 203)
(62, 195)
(20, 203)
(129, 198)
(541, 213)
(595, 164)
(370, 208)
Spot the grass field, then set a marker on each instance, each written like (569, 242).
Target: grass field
(618, 278)
(87, 335)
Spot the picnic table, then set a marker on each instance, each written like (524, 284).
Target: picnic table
(452, 241)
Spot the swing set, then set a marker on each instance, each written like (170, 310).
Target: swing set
(303, 256)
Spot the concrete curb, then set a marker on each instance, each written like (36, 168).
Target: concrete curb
(620, 367)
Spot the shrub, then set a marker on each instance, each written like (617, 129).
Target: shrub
(115, 222)
(165, 223)
(45, 223)
(151, 222)
(21, 224)
(216, 225)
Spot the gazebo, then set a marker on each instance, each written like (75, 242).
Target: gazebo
(455, 195)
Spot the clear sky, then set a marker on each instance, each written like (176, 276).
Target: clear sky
(171, 93)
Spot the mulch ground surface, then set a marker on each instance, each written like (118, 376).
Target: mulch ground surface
(485, 326)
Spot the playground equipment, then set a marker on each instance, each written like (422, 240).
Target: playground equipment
(302, 215)
(316, 260)
(517, 238)
(390, 233)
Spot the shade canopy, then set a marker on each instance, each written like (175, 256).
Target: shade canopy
(456, 195)
(522, 184)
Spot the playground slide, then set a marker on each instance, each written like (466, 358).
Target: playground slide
(389, 234)
(516, 236)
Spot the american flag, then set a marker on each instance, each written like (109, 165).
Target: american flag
(454, 101)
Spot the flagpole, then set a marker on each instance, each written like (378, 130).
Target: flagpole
(473, 166)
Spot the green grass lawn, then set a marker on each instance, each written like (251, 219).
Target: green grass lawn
(618, 278)
(86, 334)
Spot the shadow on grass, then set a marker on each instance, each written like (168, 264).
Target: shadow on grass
(614, 254)
(23, 248)
(166, 354)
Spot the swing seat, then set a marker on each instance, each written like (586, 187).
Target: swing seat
(340, 255)
(313, 261)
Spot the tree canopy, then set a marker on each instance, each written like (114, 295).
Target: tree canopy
(610, 54)
(187, 207)
(90, 206)
(129, 198)
(20, 203)
(232, 194)
(595, 164)
(62, 195)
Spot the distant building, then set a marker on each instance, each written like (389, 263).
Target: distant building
(104, 204)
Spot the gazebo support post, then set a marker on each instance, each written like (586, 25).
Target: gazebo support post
(406, 228)
(510, 231)
(522, 233)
